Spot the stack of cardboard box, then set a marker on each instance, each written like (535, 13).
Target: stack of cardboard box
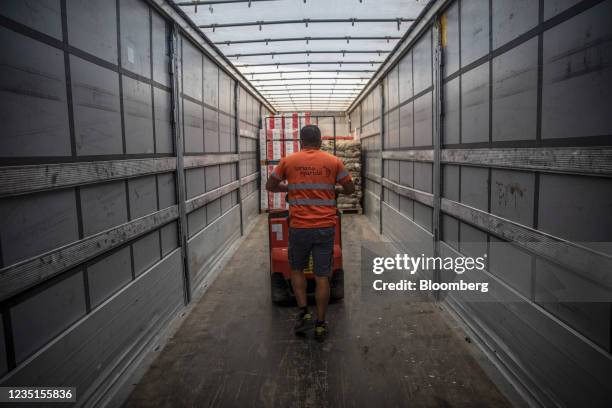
(278, 138)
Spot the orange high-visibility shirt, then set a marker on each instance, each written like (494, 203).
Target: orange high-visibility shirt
(312, 176)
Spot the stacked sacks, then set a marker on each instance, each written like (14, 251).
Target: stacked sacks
(349, 151)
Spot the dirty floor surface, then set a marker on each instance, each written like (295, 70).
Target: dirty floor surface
(236, 349)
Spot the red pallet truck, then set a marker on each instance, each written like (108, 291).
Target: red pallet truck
(280, 271)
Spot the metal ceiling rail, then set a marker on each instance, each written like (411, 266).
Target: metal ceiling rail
(310, 101)
(308, 70)
(326, 95)
(308, 39)
(271, 64)
(306, 100)
(323, 78)
(316, 94)
(309, 91)
(261, 89)
(328, 89)
(288, 92)
(302, 97)
(307, 21)
(305, 94)
(309, 108)
(307, 52)
(211, 2)
(309, 98)
(313, 102)
(310, 85)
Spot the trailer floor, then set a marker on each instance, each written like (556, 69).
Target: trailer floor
(236, 349)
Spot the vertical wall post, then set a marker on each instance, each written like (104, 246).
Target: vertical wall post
(259, 154)
(177, 136)
(364, 163)
(349, 122)
(382, 162)
(334, 120)
(237, 135)
(437, 138)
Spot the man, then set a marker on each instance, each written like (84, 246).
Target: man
(312, 177)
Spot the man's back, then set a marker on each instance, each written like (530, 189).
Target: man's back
(311, 184)
(312, 175)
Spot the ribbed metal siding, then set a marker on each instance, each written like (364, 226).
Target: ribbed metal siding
(524, 160)
(111, 215)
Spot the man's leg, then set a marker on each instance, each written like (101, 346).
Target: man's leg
(323, 255)
(322, 296)
(298, 282)
(299, 251)
(304, 321)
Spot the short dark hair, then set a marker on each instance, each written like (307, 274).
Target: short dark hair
(310, 135)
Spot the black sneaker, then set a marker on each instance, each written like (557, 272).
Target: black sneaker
(303, 324)
(321, 330)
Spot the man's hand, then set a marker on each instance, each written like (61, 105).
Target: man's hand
(274, 185)
(346, 188)
(282, 188)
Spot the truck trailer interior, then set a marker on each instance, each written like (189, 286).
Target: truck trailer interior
(136, 138)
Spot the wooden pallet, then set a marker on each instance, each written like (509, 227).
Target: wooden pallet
(356, 210)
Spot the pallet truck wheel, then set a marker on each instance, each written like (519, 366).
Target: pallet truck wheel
(278, 289)
(337, 285)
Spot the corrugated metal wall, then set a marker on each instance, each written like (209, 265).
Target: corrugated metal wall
(123, 181)
(496, 129)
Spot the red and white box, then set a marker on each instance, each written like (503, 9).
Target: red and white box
(276, 201)
(263, 196)
(305, 119)
(290, 147)
(262, 145)
(291, 121)
(277, 122)
(275, 148)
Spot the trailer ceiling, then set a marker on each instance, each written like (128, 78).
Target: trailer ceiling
(321, 45)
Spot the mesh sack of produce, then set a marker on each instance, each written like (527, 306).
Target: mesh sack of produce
(349, 151)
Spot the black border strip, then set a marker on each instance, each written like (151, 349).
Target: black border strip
(9, 342)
